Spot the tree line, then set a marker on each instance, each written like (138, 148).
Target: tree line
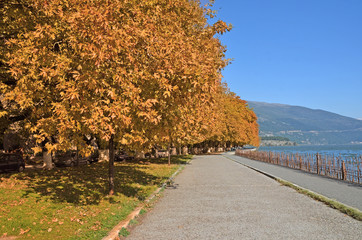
(133, 75)
(277, 138)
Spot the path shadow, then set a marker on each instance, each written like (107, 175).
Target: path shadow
(88, 184)
(174, 160)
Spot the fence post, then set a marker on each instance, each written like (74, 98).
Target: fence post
(317, 160)
(344, 171)
(358, 172)
(300, 162)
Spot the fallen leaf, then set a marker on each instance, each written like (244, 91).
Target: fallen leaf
(22, 231)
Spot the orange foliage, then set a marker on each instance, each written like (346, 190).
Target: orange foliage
(233, 121)
(147, 72)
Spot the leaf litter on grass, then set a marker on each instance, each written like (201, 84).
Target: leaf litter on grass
(72, 203)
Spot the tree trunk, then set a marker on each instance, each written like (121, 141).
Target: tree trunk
(47, 158)
(185, 150)
(169, 149)
(140, 155)
(111, 166)
(77, 156)
(169, 154)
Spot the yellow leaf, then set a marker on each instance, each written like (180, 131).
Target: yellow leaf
(37, 150)
(3, 113)
(167, 93)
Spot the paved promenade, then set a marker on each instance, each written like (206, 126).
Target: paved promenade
(216, 198)
(344, 192)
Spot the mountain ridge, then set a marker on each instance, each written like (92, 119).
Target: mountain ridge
(305, 125)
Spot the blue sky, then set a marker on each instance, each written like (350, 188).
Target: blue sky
(298, 52)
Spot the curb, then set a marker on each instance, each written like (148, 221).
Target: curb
(259, 171)
(114, 233)
(315, 196)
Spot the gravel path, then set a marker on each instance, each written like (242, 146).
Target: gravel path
(344, 192)
(217, 198)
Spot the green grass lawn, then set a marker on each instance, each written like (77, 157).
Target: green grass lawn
(72, 203)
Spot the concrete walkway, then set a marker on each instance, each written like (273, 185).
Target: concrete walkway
(344, 192)
(217, 198)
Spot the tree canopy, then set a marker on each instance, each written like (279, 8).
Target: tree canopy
(139, 73)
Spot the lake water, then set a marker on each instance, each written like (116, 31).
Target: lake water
(336, 150)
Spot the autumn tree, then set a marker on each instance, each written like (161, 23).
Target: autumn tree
(184, 69)
(241, 125)
(191, 59)
(231, 122)
(77, 71)
(111, 69)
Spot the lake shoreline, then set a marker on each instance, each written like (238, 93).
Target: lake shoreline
(331, 149)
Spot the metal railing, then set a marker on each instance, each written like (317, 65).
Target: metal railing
(344, 168)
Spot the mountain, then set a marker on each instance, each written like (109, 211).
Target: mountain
(306, 126)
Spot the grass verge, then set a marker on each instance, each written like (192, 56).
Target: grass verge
(352, 212)
(72, 203)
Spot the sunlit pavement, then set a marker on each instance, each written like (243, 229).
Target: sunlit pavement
(216, 198)
(344, 192)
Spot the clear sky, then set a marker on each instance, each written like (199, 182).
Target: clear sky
(298, 52)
